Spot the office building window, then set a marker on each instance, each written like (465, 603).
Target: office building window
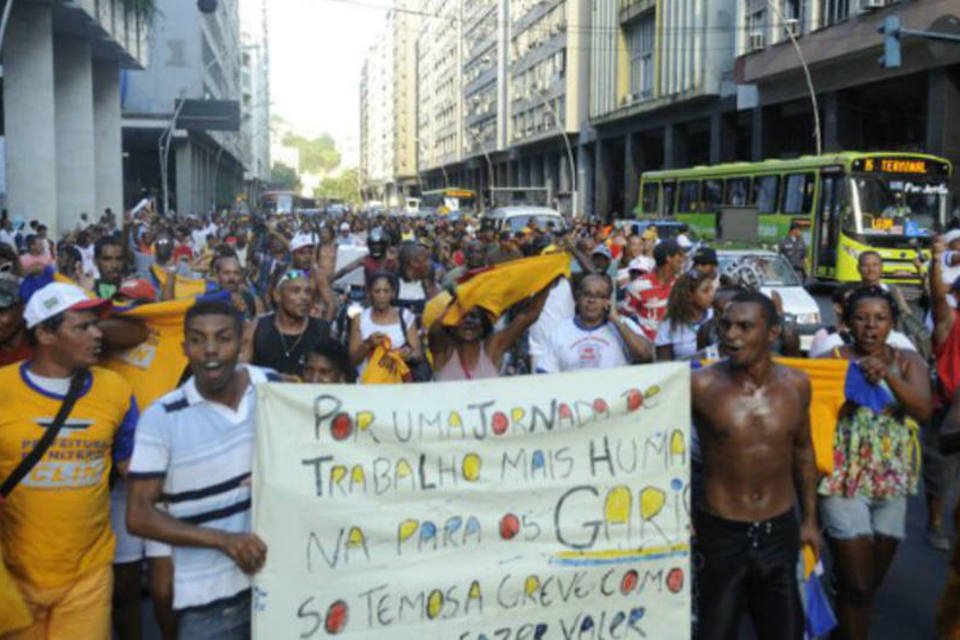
(640, 38)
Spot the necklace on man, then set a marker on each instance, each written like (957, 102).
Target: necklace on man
(283, 342)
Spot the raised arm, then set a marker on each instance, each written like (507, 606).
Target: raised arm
(942, 312)
(503, 341)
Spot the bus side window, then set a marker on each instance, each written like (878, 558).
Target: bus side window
(765, 193)
(689, 196)
(798, 194)
(736, 190)
(668, 200)
(650, 193)
(712, 194)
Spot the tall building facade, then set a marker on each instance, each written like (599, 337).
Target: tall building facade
(388, 109)
(61, 138)
(439, 81)
(255, 83)
(661, 93)
(195, 56)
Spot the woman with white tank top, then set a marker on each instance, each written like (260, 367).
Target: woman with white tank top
(383, 320)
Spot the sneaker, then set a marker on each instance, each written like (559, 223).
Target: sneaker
(937, 539)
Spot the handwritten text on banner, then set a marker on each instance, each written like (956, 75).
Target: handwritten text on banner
(538, 507)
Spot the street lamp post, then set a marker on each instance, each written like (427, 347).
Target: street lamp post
(806, 73)
(563, 134)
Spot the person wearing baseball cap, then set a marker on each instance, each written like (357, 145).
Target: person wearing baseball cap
(13, 331)
(57, 538)
(646, 297)
(302, 249)
(705, 261)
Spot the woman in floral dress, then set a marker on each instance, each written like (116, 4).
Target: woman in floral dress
(876, 455)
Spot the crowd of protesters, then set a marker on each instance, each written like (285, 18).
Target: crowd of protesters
(357, 298)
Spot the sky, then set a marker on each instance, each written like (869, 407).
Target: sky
(316, 53)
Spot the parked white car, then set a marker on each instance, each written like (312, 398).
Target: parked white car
(771, 272)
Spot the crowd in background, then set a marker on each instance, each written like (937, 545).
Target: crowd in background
(304, 313)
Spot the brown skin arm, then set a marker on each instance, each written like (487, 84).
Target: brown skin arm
(321, 281)
(501, 342)
(246, 348)
(942, 313)
(640, 350)
(910, 383)
(122, 333)
(144, 519)
(805, 470)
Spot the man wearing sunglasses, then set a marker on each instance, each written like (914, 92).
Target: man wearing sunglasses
(282, 340)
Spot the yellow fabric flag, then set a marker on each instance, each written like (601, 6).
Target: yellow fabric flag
(155, 366)
(378, 370)
(506, 284)
(827, 380)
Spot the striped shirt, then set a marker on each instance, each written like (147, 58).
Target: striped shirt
(203, 450)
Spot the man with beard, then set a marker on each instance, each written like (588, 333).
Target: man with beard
(230, 278)
(108, 256)
(281, 340)
(752, 419)
(212, 413)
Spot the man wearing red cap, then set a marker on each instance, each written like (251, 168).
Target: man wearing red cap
(55, 528)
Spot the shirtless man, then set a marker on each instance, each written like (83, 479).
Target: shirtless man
(752, 419)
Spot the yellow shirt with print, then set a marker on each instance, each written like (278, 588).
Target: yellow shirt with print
(55, 526)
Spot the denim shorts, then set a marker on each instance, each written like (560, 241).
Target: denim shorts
(227, 619)
(847, 518)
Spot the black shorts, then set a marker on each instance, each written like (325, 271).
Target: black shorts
(748, 566)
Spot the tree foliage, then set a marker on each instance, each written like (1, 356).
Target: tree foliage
(343, 186)
(284, 177)
(319, 155)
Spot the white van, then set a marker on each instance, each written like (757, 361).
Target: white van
(517, 218)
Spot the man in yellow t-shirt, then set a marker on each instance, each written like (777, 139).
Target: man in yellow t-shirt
(55, 525)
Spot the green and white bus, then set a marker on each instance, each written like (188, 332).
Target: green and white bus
(847, 202)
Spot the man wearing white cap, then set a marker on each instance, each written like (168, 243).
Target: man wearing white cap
(347, 239)
(55, 528)
(302, 249)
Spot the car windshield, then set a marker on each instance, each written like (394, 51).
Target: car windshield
(773, 270)
(544, 222)
(906, 207)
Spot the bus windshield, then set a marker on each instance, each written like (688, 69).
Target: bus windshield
(896, 207)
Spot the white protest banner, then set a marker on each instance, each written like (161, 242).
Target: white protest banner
(346, 255)
(552, 506)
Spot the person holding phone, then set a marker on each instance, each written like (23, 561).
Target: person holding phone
(597, 336)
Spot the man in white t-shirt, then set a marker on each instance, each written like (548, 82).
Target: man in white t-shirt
(597, 337)
(193, 450)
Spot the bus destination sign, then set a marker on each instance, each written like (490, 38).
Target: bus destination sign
(915, 166)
